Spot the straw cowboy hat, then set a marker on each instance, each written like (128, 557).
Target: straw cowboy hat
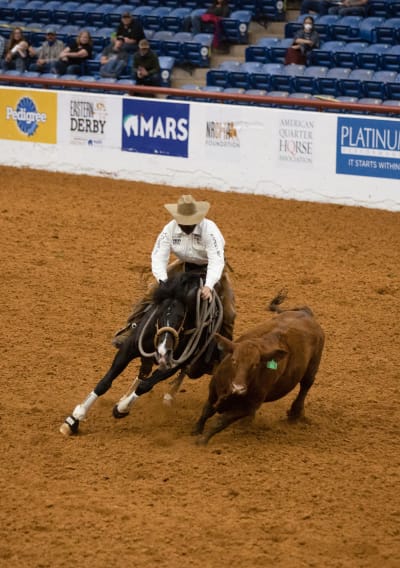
(188, 211)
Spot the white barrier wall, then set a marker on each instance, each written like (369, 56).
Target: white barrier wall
(303, 155)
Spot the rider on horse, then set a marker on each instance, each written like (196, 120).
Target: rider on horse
(199, 246)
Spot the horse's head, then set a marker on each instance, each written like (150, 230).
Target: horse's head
(177, 303)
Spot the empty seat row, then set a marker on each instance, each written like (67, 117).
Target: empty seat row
(333, 53)
(350, 28)
(312, 80)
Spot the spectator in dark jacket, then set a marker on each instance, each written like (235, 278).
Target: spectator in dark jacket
(131, 30)
(146, 66)
(214, 14)
(114, 58)
(350, 8)
(304, 41)
(73, 58)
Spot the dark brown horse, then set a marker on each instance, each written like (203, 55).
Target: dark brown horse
(176, 334)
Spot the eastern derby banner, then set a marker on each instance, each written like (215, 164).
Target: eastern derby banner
(28, 115)
(155, 127)
(368, 147)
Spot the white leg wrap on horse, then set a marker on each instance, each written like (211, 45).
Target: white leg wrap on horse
(168, 399)
(81, 410)
(125, 402)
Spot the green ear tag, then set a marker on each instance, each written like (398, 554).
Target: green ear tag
(272, 365)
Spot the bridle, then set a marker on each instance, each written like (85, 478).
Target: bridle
(208, 314)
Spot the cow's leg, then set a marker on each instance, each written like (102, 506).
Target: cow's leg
(207, 412)
(223, 422)
(296, 411)
(123, 357)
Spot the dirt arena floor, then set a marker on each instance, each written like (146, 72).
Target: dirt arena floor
(75, 254)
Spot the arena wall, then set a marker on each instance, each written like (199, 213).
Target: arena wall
(285, 153)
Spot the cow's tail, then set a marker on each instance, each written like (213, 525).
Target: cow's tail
(279, 299)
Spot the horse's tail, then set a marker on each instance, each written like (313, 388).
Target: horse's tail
(279, 299)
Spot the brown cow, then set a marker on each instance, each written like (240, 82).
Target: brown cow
(263, 365)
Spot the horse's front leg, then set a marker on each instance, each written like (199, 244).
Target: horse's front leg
(175, 386)
(123, 357)
(122, 408)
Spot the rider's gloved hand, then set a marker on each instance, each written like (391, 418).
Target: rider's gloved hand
(206, 293)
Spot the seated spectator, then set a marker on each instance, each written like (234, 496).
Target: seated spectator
(72, 58)
(131, 30)
(304, 41)
(214, 14)
(48, 53)
(114, 58)
(350, 8)
(16, 52)
(146, 66)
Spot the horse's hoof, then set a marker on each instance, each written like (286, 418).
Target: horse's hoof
(69, 426)
(118, 414)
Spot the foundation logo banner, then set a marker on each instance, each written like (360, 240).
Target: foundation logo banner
(368, 147)
(155, 127)
(28, 115)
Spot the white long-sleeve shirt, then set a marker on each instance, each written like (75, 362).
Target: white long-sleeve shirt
(205, 245)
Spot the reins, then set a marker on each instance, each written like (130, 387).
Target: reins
(208, 315)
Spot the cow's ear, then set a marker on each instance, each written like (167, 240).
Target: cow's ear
(226, 344)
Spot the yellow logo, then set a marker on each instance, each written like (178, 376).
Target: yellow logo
(28, 115)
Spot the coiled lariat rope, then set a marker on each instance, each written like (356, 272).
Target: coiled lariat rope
(208, 315)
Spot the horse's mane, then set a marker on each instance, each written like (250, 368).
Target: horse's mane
(179, 287)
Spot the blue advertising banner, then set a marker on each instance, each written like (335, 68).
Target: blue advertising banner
(368, 147)
(155, 127)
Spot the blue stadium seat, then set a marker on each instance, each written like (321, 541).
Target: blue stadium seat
(174, 47)
(260, 51)
(211, 89)
(81, 15)
(262, 79)
(379, 8)
(324, 55)
(370, 57)
(166, 64)
(346, 56)
(9, 12)
(346, 28)
(277, 52)
(393, 88)
(376, 86)
(283, 81)
(353, 85)
(175, 19)
(28, 12)
(390, 59)
(99, 15)
(330, 83)
(388, 31)
(68, 32)
(294, 26)
(236, 27)
(392, 103)
(140, 12)
(197, 51)
(219, 77)
(307, 83)
(241, 77)
(271, 10)
(394, 9)
(154, 19)
(61, 15)
(323, 25)
(157, 40)
(279, 94)
(367, 28)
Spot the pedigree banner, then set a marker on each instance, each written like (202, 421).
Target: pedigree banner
(28, 115)
(88, 119)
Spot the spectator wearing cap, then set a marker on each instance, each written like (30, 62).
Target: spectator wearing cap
(146, 66)
(48, 53)
(114, 58)
(131, 30)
